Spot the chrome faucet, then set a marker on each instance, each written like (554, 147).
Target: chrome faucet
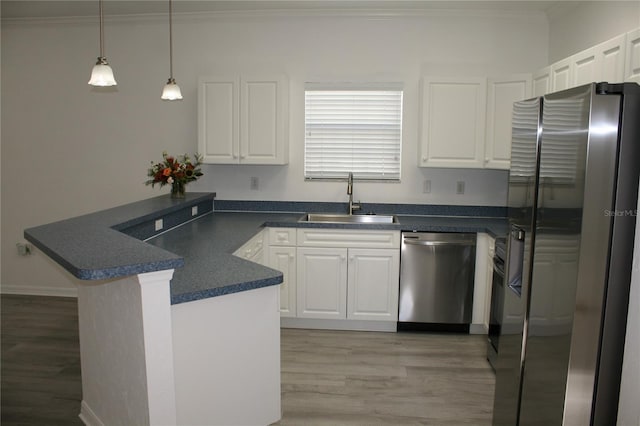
(352, 206)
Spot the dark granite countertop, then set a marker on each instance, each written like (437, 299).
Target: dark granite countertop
(207, 245)
(96, 246)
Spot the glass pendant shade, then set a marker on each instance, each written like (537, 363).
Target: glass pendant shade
(102, 74)
(171, 91)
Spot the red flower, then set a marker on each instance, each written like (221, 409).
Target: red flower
(166, 172)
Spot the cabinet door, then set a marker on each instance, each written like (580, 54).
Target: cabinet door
(632, 67)
(502, 93)
(561, 75)
(372, 292)
(604, 62)
(584, 67)
(321, 282)
(611, 56)
(542, 82)
(452, 122)
(253, 249)
(284, 260)
(218, 119)
(263, 119)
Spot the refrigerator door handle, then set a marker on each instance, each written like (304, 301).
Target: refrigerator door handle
(516, 259)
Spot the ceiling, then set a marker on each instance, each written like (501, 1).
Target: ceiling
(19, 9)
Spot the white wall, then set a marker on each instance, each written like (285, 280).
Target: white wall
(578, 25)
(376, 49)
(68, 149)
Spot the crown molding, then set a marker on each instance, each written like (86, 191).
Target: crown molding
(324, 12)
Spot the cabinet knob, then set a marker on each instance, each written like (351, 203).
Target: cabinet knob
(242, 157)
(343, 257)
(291, 256)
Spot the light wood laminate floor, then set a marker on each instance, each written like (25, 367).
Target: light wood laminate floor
(366, 378)
(328, 377)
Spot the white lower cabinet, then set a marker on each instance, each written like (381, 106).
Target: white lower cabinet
(343, 283)
(322, 282)
(372, 284)
(485, 249)
(337, 278)
(282, 256)
(253, 249)
(283, 259)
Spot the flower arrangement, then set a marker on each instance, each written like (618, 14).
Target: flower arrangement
(174, 171)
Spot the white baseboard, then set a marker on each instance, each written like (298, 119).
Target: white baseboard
(39, 291)
(335, 324)
(87, 415)
(478, 329)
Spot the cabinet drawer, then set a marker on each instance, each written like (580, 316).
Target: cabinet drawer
(282, 236)
(356, 238)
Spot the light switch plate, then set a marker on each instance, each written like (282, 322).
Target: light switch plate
(194, 211)
(460, 187)
(159, 224)
(426, 188)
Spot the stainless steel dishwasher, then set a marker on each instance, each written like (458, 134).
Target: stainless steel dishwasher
(436, 281)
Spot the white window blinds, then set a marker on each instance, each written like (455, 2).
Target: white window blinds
(358, 131)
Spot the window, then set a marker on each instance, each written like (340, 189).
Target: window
(353, 130)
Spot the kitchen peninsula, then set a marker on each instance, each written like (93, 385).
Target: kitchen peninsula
(157, 346)
(175, 329)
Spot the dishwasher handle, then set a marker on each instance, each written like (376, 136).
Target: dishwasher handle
(418, 242)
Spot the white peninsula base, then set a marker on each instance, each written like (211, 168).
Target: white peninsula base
(213, 361)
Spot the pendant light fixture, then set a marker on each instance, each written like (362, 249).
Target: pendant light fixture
(102, 74)
(171, 91)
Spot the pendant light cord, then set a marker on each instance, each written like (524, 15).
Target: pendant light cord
(170, 42)
(101, 31)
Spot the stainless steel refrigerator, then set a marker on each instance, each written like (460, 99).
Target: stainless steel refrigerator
(573, 189)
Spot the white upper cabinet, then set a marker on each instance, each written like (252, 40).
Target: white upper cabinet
(452, 122)
(218, 131)
(611, 56)
(502, 93)
(604, 62)
(542, 82)
(584, 67)
(632, 68)
(561, 75)
(243, 119)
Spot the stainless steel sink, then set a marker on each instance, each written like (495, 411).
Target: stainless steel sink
(345, 218)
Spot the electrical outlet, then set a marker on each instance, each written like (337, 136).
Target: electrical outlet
(255, 183)
(194, 211)
(426, 188)
(159, 224)
(24, 249)
(460, 187)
